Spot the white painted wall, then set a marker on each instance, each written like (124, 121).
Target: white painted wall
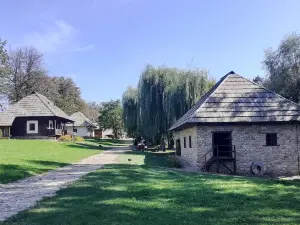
(81, 131)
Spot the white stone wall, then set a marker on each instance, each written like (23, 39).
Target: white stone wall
(188, 155)
(81, 131)
(250, 143)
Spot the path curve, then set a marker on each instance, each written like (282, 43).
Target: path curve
(20, 195)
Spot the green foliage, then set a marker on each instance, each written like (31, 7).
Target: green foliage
(22, 71)
(163, 95)
(65, 138)
(111, 117)
(130, 109)
(283, 68)
(173, 161)
(79, 139)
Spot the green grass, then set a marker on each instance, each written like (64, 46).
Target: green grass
(135, 194)
(24, 158)
(109, 142)
(152, 159)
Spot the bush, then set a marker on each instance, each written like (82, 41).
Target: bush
(65, 138)
(1, 134)
(173, 161)
(79, 139)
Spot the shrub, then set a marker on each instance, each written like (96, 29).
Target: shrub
(173, 161)
(79, 139)
(1, 134)
(65, 138)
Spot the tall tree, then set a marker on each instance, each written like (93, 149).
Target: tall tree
(3, 74)
(283, 68)
(163, 95)
(92, 110)
(69, 93)
(111, 117)
(26, 70)
(130, 110)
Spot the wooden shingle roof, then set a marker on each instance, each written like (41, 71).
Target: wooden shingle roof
(32, 105)
(235, 99)
(81, 120)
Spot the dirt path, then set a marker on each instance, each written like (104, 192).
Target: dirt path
(20, 195)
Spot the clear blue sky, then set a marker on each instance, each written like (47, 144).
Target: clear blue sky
(105, 44)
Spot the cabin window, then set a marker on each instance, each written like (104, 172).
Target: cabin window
(50, 124)
(190, 141)
(32, 127)
(271, 139)
(74, 130)
(184, 142)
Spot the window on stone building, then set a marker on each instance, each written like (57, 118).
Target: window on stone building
(271, 139)
(184, 142)
(190, 141)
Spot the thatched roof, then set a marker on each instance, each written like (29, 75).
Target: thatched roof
(235, 99)
(32, 105)
(81, 120)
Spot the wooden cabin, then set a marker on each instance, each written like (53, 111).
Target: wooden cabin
(33, 117)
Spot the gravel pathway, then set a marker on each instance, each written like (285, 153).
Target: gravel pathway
(20, 195)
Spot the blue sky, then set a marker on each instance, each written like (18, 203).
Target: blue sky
(104, 45)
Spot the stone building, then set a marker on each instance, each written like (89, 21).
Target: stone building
(240, 127)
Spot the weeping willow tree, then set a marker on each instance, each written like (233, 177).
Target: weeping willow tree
(130, 110)
(162, 96)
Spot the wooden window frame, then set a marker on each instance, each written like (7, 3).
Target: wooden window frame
(52, 126)
(36, 126)
(184, 142)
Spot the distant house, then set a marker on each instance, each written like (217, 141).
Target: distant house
(107, 133)
(33, 117)
(82, 126)
(240, 127)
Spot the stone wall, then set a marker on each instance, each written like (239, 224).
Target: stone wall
(250, 143)
(188, 155)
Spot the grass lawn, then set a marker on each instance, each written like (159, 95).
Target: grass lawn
(23, 158)
(109, 142)
(133, 193)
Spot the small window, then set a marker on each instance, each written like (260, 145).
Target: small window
(271, 139)
(184, 142)
(32, 126)
(74, 130)
(190, 141)
(50, 124)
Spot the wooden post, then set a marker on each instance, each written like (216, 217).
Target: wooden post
(73, 133)
(8, 132)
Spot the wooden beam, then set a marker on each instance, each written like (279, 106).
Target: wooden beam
(9, 132)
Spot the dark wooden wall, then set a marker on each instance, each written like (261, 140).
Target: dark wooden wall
(19, 126)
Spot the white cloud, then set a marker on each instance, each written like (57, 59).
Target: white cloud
(84, 48)
(55, 37)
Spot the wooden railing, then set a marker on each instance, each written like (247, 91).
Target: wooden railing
(58, 131)
(216, 153)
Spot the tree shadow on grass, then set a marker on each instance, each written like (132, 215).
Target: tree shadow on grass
(85, 146)
(131, 194)
(10, 173)
(110, 142)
